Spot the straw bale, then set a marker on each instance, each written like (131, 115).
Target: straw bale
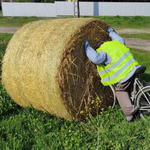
(45, 67)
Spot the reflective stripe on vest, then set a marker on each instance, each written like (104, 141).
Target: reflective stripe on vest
(116, 64)
(121, 65)
(120, 70)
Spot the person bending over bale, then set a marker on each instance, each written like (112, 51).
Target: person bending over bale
(116, 66)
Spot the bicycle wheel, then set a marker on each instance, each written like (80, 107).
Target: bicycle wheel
(143, 101)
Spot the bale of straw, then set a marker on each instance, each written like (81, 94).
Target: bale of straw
(45, 66)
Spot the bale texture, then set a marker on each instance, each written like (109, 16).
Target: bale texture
(45, 66)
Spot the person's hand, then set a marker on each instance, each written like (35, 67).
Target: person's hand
(86, 44)
(109, 29)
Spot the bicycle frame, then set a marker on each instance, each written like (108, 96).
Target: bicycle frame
(137, 88)
(113, 90)
(140, 89)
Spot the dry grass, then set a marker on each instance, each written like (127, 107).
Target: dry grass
(45, 66)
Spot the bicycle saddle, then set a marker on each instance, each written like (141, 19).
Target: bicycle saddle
(140, 70)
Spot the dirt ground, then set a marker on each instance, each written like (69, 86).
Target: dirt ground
(129, 31)
(130, 42)
(8, 30)
(134, 42)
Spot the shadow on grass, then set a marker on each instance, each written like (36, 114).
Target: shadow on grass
(145, 77)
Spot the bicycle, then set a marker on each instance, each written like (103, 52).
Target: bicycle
(140, 95)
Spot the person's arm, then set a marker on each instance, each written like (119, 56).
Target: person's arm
(96, 58)
(114, 36)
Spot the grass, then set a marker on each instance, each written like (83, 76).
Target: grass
(143, 58)
(18, 21)
(118, 22)
(31, 129)
(5, 37)
(144, 36)
(121, 22)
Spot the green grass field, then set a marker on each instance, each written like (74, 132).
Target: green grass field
(31, 129)
(117, 22)
(144, 36)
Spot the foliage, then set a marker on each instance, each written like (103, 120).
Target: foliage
(110, 131)
(4, 38)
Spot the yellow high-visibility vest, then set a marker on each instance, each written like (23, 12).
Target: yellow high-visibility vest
(121, 65)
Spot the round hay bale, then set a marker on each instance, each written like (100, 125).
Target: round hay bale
(45, 66)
